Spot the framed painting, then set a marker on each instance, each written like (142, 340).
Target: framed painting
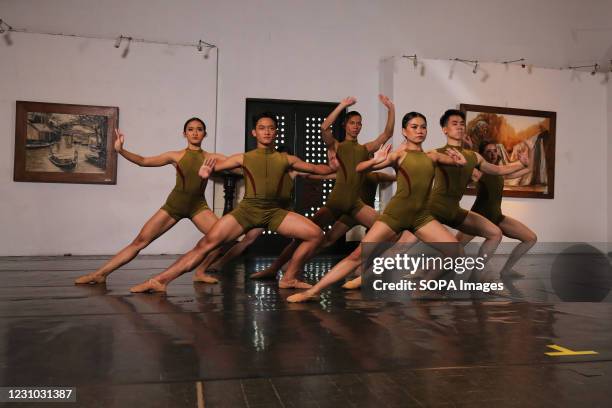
(498, 134)
(60, 143)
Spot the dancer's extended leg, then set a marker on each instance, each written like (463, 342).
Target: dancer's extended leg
(513, 228)
(159, 223)
(464, 238)
(321, 218)
(226, 229)
(236, 249)
(406, 238)
(378, 233)
(300, 228)
(204, 221)
(476, 224)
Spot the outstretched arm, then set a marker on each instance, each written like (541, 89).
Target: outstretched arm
(218, 157)
(388, 131)
(326, 132)
(517, 174)
(383, 177)
(489, 168)
(232, 162)
(310, 176)
(380, 160)
(153, 161)
(452, 157)
(297, 164)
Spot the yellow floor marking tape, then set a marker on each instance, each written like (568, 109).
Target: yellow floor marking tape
(562, 351)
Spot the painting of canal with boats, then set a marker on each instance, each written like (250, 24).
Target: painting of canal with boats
(58, 142)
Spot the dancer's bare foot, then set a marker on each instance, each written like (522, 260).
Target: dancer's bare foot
(150, 286)
(90, 279)
(267, 273)
(301, 297)
(204, 278)
(510, 274)
(293, 284)
(353, 284)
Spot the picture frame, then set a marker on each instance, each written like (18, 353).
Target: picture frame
(65, 143)
(511, 130)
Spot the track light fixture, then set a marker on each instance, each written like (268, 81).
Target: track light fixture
(4, 26)
(594, 67)
(521, 60)
(414, 59)
(475, 62)
(203, 44)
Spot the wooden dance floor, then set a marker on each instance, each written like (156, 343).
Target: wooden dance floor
(238, 344)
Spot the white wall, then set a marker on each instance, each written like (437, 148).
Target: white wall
(579, 210)
(317, 50)
(156, 89)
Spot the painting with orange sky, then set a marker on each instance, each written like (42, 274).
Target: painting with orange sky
(512, 130)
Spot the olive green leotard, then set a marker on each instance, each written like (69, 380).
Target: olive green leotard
(264, 172)
(368, 196)
(407, 209)
(449, 186)
(488, 199)
(286, 192)
(187, 198)
(345, 196)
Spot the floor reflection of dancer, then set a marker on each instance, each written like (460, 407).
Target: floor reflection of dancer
(185, 201)
(344, 197)
(450, 183)
(407, 212)
(488, 204)
(264, 170)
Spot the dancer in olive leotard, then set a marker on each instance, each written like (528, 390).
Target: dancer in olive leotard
(406, 213)
(367, 195)
(286, 201)
(344, 198)
(264, 170)
(450, 183)
(185, 201)
(488, 204)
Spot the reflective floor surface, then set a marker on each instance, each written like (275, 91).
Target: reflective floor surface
(238, 344)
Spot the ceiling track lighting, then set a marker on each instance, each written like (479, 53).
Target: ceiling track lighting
(475, 62)
(521, 60)
(4, 26)
(594, 67)
(203, 44)
(118, 41)
(414, 59)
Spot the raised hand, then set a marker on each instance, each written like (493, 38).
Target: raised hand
(382, 153)
(386, 101)
(119, 140)
(207, 168)
(456, 156)
(333, 159)
(348, 101)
